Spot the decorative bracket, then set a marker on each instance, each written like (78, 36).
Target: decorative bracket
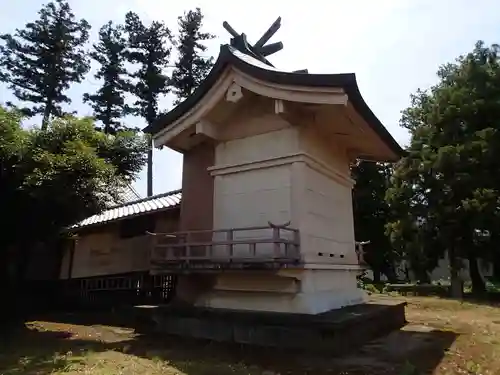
(279, 106)
(284, 225)
(206, 128)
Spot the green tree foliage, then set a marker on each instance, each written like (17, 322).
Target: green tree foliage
(108, 102)
(191, 66)
(41, 61)
(149, 50)
(371, 215)
(412, 229)
(53, 178)
(446, 191)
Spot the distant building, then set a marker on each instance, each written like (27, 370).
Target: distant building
(116, 240)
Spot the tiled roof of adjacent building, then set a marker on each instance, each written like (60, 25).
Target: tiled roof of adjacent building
(129, 194)
(155, 203)
(126, 194)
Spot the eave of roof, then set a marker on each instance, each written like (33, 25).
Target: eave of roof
(249, 65)
(149, 205)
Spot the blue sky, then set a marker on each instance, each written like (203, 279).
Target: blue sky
(393, 46)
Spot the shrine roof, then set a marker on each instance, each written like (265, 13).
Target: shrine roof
(230, 56)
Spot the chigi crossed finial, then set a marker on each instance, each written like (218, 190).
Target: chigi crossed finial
(259, 50)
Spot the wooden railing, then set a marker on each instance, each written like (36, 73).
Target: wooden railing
(272, 246)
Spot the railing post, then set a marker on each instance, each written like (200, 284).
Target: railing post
(296, 240)
(276, 239)
(229, 238)
(169, 249)
(168, 253)
(253, 250)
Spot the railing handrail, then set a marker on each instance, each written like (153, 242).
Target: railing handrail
(241, 229)
(232, 242)
(219, 258)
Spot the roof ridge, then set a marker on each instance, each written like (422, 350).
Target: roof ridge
(161, 195)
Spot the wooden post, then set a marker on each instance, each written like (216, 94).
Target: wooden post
(296, 240)
(287, 250)
(229, 238)
(276, 238)
(170, 250)
(253, 250)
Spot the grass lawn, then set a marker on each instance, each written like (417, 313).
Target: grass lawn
(443, 337)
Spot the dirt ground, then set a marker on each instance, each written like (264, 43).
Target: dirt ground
(442, 338)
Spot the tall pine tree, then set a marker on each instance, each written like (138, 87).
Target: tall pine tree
(371, 214)
(108, 102)
(447, 184)
(149, 49)
(191, 66)
(41, 61)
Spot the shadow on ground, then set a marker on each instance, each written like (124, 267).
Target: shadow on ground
(25, 350)
(46, 348)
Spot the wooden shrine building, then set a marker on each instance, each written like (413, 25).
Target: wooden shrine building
(265, 223)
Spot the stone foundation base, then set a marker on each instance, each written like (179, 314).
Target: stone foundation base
(299, 303)
(301, 291)
(334, 331)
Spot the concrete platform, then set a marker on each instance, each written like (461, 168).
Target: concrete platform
(334, 331)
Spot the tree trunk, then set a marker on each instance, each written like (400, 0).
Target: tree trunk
(5, 314)
(478, 284)
(424, 278)
(496, 264)
(457, 287)
(150, 172)
(22, 261)
(5, 259)
(407, 273)
(419, 270)
(421, 274)
(496, 269)
(390, 273)
(376, 276)
(46, 115)
(107, 121)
